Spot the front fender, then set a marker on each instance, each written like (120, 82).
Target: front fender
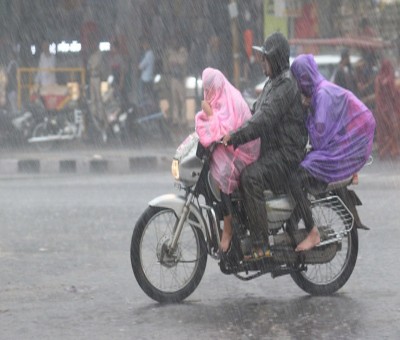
(170, 201)
(176, 203)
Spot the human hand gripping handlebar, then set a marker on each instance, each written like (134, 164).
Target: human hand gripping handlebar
(226, 140)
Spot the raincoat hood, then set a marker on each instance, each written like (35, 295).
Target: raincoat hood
(276, 49)
(229, 108)
(305, 70)
(214, 85)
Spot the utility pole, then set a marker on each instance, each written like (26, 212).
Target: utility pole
(233, 13)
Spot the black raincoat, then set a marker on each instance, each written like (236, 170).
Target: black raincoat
(279, 120)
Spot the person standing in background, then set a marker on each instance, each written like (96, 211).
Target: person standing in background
(344, 76)
(387, 112)
(3, 86)
(96, 70)
(214, 57)
(12, 78)
(366, 30)
(247, 27)
(158, 29)
(146, 67)
(118, 70)
(177, 57)
(201, 30)
(46, 77)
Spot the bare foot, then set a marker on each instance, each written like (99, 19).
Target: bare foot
(310, 241)
(226, 234)
(225, 241)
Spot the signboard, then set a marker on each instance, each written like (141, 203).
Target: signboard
(273, 23)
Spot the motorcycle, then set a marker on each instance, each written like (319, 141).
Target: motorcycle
(141, 124)
(114, 110)
(16, 128)
(174, 235)
(62, 118)
(130, 123)
(68, 116)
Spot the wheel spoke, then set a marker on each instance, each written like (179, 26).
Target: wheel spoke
(175, 271)
(323, 274)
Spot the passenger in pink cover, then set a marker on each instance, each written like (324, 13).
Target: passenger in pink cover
(224, 110)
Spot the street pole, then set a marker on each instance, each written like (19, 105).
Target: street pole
(233, 12)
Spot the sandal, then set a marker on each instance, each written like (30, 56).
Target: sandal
(228, 257)
(258, 252)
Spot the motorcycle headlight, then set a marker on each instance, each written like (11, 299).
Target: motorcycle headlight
(175, 169)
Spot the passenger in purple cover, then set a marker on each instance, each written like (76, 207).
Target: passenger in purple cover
(341, 130)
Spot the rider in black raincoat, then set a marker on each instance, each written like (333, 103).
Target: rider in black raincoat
(279, 121)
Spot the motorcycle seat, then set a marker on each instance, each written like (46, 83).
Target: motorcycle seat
(54, 90)
(331, 186)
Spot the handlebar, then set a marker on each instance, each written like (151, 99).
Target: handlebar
(203, 152)
(213, 145)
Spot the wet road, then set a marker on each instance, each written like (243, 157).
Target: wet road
(65, 270)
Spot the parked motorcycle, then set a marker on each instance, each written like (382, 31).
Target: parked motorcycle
(67, 118)
(113, 108)
(142, 124)
(62, 116)
(16, 128)
(174, 235)
(128, 123)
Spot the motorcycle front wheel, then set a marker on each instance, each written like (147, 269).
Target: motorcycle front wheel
(327, 278)
(165, 276)
(43, 130)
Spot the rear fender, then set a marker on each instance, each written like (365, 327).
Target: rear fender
(354, 198)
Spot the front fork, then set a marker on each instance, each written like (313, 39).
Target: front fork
(179, 226)
(183, 208)
(213, 240)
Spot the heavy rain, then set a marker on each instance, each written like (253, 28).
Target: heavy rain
(186, 169)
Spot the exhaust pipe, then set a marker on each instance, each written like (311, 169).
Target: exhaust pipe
(51, 138)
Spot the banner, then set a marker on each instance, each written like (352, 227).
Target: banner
(272, 22)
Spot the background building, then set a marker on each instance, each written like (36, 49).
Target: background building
(27, 23)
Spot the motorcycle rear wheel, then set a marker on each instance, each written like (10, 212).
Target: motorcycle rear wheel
(167, 277)
(327, 278)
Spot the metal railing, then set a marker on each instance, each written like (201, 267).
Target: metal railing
(26, 79)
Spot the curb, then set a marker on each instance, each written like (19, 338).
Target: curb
(94, 165)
